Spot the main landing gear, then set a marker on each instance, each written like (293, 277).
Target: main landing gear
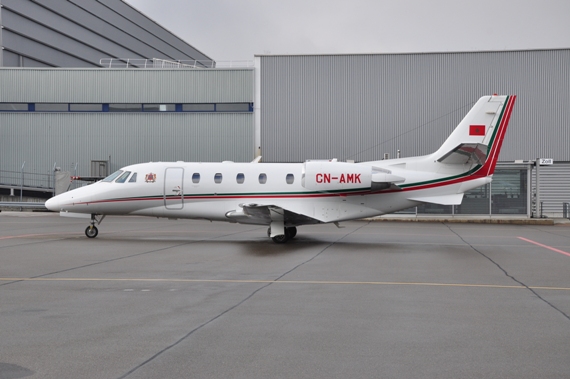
(290, 233)
(91, 231)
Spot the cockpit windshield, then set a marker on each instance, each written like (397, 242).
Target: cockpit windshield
(123, 178)
(113, 176)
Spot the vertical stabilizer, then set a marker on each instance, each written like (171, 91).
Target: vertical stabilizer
(480, 133)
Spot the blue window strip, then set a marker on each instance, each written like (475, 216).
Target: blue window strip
(178, 108)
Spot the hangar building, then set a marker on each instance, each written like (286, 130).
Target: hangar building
(65, 103)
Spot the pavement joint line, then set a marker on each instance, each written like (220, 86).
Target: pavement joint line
(315, 282)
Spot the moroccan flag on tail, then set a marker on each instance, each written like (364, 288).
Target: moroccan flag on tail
(476, 130)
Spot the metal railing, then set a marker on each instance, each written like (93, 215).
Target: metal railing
(27, 181)
(163, 63)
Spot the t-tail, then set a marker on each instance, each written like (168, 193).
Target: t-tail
(478, 138)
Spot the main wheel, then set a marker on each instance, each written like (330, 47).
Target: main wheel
(292, 232)
(91, 231)
(281, 238)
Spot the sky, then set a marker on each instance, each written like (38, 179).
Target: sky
(237, 30)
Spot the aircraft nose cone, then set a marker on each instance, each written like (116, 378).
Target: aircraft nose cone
(54, 204)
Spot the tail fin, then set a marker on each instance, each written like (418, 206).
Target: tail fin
(479, 136)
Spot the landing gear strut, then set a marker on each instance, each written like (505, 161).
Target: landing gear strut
(91, 231)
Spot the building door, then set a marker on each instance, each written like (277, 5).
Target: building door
(174, 188)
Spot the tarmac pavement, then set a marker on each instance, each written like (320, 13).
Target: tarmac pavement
(153, 298)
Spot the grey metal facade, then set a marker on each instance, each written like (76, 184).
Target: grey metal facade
(78, 33)
(126, 85)
(76, 138)
(362, 106)
(67, 139)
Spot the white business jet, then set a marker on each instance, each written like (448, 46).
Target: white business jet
(284, 196)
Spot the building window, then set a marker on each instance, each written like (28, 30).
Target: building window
(85, 107)
(159, 107)
(218, 178)
(262, 178)
(198, 108)
(21, 107)
(196, 178)
(125, 107)
(233, 107)
(52, 107)
(290, 178)
(240, 178)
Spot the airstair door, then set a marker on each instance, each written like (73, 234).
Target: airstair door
(174, 188)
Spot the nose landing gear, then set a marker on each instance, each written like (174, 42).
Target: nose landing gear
(91, 231)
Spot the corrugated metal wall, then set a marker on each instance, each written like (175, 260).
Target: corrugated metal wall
(554, 187)
(362, 106)
(30, 85)
(78, 33)
(40, 139)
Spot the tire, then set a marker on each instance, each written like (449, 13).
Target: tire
(91, 231)
(292, 232)
(281, 238)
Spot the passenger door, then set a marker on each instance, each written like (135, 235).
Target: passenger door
(174, 188)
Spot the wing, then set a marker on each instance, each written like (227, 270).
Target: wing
(263, 214)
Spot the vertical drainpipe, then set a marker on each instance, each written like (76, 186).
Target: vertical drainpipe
(537, 206)
(257, 106)
(1, 44)
(529, 190)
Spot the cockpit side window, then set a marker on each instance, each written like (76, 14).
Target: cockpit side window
(133, 178)
(113, 176)
(123, 178)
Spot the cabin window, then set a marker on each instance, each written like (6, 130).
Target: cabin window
(218, 178)
(133, 178)
(123, 178)
(195, 178)
(290, 178)
(113, 176)
(240, 178)
(262, 178)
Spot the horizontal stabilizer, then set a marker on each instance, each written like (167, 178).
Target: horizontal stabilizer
(454, 199)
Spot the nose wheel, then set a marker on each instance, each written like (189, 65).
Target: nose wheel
(91, 231)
